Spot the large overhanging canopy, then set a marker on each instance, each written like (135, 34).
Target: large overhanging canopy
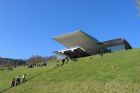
(88, 45)
(80, 39)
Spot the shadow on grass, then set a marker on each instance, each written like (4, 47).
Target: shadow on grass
(32, 78)
(4, 90)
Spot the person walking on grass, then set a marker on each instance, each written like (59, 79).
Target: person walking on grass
(23, 78)
(63, 61)
(18, 80)
(12, 83)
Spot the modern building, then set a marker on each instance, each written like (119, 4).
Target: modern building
(80, 44)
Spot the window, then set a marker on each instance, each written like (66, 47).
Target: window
(117, 48)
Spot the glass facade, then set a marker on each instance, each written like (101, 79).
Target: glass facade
(116, 48)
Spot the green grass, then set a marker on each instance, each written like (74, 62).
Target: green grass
(117, 72)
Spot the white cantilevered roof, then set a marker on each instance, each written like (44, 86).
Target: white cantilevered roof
(70, 49)
(77, 38)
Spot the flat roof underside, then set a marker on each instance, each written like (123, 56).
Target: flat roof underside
(76, 53)
(77, 38)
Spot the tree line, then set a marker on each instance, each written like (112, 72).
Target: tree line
(39, 59)
(9, 62)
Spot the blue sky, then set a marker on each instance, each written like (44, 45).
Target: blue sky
(28, 26)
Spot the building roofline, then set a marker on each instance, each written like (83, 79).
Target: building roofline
(68, 33)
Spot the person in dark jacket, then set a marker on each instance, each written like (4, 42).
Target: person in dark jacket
(18, 80)
(63, 61)
(12, 83)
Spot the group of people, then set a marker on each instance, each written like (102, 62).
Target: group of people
(37, 65)
(17, 81)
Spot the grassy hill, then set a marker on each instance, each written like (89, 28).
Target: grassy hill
(117, 72)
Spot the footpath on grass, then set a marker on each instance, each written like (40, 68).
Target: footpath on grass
(55, 67)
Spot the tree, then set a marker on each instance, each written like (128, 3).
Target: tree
(36, 59)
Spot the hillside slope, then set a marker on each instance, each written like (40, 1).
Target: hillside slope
(117, 72)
